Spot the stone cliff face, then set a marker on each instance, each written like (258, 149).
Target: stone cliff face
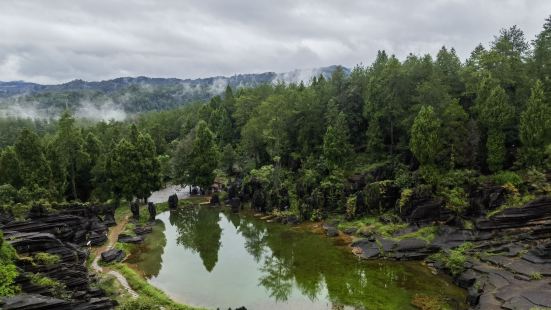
(63, 235)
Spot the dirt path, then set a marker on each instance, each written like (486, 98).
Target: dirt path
(111, 239)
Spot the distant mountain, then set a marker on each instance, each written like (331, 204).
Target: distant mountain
(127, 95)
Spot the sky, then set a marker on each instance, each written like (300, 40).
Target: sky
(57, 41)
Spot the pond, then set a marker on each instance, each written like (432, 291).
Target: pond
(204, 257)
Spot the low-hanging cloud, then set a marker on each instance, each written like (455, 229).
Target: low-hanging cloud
(60, 40)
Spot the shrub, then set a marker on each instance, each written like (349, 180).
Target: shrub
(351, 207)
(8, 194)
(8, 271)
(55, 287)
(536, 276)
(504, 177)
(405, 197)
(44, 258)
(454, 260)
(456, 199)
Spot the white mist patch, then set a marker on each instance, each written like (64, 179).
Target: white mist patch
(22, 111)
(218, 86)
(297, 76)
(100, 112)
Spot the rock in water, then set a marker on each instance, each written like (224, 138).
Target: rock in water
(152, 211)
(214, 200)
(173, 201)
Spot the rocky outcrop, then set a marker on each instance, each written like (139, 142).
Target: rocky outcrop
(60, 236)
(509, 265)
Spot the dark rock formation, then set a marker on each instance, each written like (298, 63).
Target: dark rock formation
(235, 204)
(143, 230)
(130, 239)
(214, 200)
(135, 209)
(112, 255)
(152, 211)
(173, 201)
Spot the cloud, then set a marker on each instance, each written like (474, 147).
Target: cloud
(59, 40)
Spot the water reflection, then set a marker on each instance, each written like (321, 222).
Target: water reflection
(271, 266)
(198, 230)
(150, 253)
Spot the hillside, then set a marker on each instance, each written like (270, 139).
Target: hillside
(119, 97)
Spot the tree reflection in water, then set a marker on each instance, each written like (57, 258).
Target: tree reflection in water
(198, 230)
(148, 255)
(292, 263)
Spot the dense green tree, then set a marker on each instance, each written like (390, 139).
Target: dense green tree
(148, 167)
(454, 132)
(204, 157)
(542, 56)
(535, 126)
(425, 138)
(33, 165)
(70, 150)
(336, 148)
(9, 168)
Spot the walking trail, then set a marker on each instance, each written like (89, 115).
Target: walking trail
(112, 238)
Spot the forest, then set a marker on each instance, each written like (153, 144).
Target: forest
(433, 123)
(375, 140)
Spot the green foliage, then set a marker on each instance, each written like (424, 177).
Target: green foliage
(405, 197)
(456, 199)
(204, 157)
(454, 260)
(8, 270)
(535, 127)
(8, 194)
(425, 140)
(504, 177)
(536, 276)
(55, 287)
(336, 148)
(44, 258)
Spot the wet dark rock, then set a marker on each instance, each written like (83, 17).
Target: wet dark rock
(37, 211)
(130, 239)
(173, 201)
(112, 255)
(152, 211)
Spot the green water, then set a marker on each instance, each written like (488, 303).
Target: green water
(204, 257)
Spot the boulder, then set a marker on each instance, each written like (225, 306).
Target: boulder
(152, 211)
(214, 200)
(173, 201)
(112, 255)
(130, 239)
(143, 230)
(135, 208)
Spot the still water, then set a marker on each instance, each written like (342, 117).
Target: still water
(204, 257)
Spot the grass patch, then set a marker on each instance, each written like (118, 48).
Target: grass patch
(146, 290)
(536, 276)
(454, 260)
(56, 288)
(427, 302)
(427, 233)
(47, 259)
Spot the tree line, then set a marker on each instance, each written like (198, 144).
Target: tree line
(423, 116)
